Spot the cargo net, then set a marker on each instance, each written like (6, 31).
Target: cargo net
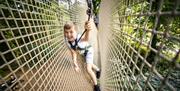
(141, 50)
(33, 55)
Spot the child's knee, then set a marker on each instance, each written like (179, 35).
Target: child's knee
(89, 67)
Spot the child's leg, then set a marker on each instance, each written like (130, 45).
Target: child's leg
(95, 67)
(91, 66)
(91, 73)
(98, 71)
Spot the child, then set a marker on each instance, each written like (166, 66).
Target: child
(72, 37)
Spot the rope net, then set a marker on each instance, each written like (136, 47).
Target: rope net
(140, 45)
(33, 55)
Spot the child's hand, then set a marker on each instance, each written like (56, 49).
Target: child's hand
(77, 69)
(88, 25)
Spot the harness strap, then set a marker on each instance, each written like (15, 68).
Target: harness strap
(74, 47)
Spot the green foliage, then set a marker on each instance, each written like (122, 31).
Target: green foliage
(166, 23)
(96, 6)
(155, 81)
(2, 73)
(169, 24)
(3, 24)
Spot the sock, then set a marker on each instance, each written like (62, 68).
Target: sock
(97, 69)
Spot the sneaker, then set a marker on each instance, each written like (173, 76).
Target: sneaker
(98, 73)
(96, 88)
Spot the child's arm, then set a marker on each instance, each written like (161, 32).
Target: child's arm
(74, 57)
(88, 26)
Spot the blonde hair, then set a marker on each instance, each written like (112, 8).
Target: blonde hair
(69, 25)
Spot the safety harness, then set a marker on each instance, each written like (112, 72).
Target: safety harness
(76, 47)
